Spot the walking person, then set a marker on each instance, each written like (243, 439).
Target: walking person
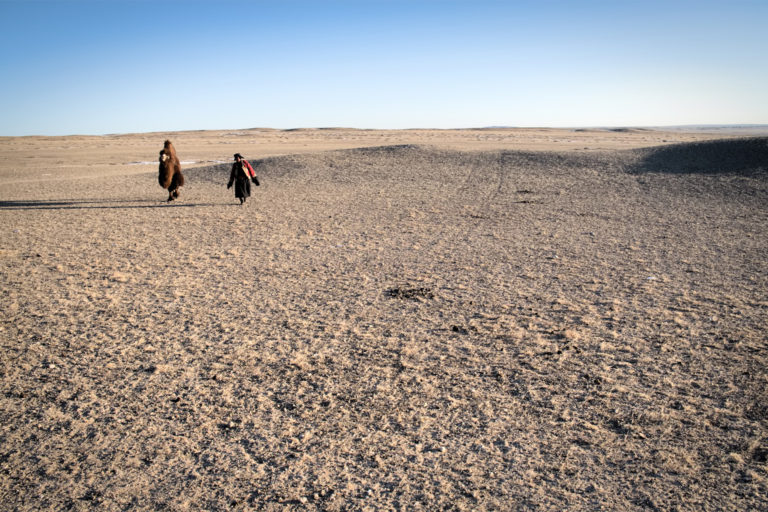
(241, 176)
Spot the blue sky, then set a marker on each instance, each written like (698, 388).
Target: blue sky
(111, 66)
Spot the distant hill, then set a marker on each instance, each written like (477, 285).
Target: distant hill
(726, 129)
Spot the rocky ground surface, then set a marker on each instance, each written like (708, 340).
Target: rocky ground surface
(398, 327)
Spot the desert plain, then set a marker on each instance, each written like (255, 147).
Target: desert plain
(495, 319)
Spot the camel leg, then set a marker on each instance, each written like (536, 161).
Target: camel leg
(173, 189)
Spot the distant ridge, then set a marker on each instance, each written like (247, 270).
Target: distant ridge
(746, 130)
(709, 127)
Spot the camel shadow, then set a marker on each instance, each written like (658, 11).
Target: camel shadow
(93, 204)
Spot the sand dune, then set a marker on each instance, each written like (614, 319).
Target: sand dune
(399, 326)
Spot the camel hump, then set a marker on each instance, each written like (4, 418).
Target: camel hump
(168, 148)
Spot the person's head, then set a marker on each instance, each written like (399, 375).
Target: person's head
(238, 156)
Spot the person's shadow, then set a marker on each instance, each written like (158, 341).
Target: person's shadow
(64, 204)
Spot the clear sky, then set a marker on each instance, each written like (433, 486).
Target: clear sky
(119, 66)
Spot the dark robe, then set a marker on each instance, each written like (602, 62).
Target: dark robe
(239, 177)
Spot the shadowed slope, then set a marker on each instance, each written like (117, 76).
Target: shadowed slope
(741, 156)
(747, 156)
(398, 162)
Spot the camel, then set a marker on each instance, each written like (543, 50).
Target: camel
(170, 171)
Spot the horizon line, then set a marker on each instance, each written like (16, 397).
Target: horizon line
(692, 126)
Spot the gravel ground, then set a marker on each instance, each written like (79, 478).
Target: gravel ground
(402, 327)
